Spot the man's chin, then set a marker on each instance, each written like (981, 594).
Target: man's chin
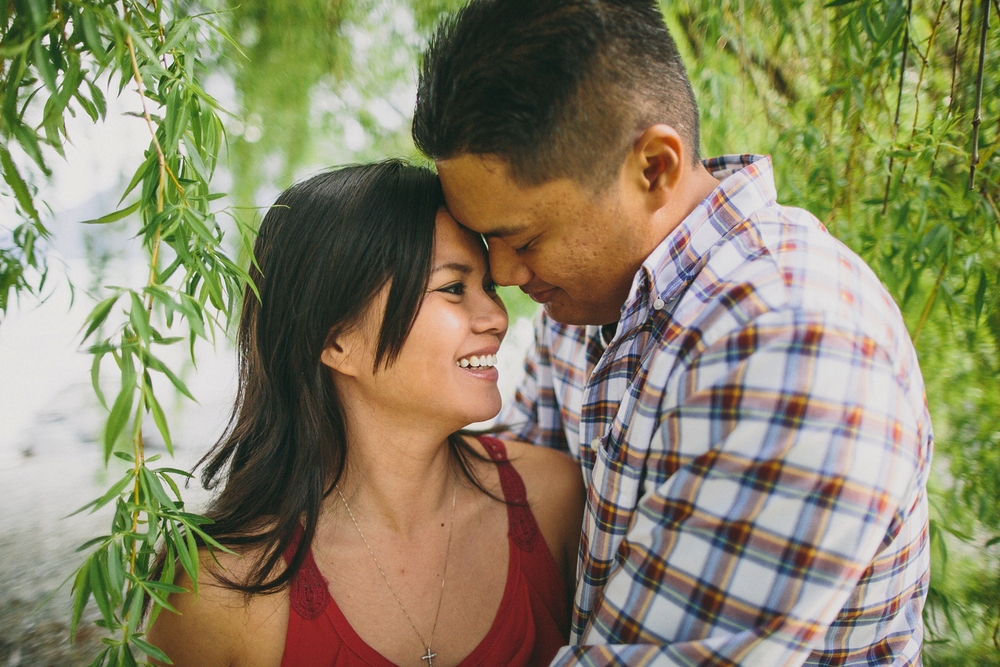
(577, 313)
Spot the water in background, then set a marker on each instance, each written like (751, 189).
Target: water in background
(51, 461)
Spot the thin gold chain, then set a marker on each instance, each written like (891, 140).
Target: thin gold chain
(451, 529)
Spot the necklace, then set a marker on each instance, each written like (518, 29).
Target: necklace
(428, 656)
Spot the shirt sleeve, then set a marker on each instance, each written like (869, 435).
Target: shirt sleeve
(745, 551)
(534, 415)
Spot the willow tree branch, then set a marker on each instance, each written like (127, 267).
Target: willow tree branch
(138, 445)
(776, 76)
(977, 117)
(161, 159)
(899, 102)
(954, 77)
(930, 300)
(920, 82)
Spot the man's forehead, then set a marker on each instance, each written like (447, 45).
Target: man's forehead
(481, 195)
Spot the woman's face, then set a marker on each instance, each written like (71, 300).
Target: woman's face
(446, 369)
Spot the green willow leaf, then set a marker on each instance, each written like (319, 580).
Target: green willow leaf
(97, 577)
(141, 173)
(28, 140)
(127, 659)
(13, 178)
(980, 298)
(92, 35)
(43, 64)
(158, 365)
(81, 594)
(112, 494)
(139, 318)
(159, 418)
(151, 650)
(156, 597)
(97, 97)
(97, 317)
(162, 586)
(152, 483)
(188, 562)
(115, 216)
(115, 572)
(118, 419)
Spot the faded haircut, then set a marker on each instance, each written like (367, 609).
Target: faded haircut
(554, 88)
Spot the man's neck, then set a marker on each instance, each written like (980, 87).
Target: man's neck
(693, 188)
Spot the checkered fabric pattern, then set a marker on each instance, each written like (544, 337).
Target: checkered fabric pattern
(756, 442)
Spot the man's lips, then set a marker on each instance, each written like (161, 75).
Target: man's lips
(540, 296)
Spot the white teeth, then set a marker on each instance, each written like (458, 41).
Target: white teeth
(482, 361)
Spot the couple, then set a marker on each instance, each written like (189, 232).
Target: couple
(741, 405)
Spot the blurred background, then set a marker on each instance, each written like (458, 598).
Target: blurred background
(865, 105)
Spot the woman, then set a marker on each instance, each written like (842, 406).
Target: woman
(366, 531)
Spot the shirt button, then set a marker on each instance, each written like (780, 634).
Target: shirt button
(658, 304)
(595, 443)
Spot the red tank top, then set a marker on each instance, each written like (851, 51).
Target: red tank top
(530, 626)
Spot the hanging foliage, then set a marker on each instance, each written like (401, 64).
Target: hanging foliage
(56, 58)
(883, 117)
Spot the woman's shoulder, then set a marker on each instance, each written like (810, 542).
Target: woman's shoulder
(552, 478)
(542, 464)
(215, 624)
(556, 495)
(545, 471)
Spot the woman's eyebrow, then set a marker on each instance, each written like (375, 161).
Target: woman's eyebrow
(504, 232)
(453, 266)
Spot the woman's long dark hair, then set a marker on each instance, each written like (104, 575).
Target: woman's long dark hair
(325, 250)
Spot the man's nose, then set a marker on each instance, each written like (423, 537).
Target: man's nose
(505, 266)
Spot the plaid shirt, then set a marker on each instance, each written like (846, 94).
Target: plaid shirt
(756, 443)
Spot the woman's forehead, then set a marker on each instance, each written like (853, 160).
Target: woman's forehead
(455, 244)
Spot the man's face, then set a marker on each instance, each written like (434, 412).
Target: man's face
(572, 250)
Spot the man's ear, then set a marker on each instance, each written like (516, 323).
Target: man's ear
(656, 163)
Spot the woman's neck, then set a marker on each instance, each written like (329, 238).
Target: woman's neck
(399, 476)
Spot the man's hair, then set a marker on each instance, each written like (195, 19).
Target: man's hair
(555, 88)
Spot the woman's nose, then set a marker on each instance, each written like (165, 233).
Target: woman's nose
(505, 266)
(491, 315)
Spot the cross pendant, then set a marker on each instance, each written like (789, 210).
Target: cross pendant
(429, 657)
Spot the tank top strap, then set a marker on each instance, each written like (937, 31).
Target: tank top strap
(309, 593)
(522, 527)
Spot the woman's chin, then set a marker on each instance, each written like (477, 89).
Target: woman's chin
(483, 412)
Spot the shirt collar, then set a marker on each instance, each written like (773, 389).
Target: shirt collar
(747, 184)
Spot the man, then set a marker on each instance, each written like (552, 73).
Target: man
(737, 385)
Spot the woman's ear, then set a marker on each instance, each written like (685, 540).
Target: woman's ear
(342, 352)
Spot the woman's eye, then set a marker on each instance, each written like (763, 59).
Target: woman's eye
(455, 288)
(489, 286)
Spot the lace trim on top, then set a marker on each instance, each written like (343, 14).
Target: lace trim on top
(522, 528)
(310, 595)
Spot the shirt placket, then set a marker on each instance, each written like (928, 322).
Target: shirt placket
(606, 392)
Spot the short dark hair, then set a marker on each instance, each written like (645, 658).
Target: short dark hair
(555, 88)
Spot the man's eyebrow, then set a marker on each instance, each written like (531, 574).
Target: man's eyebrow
(454, 266)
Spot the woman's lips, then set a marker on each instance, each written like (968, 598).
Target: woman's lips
(488, 373)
